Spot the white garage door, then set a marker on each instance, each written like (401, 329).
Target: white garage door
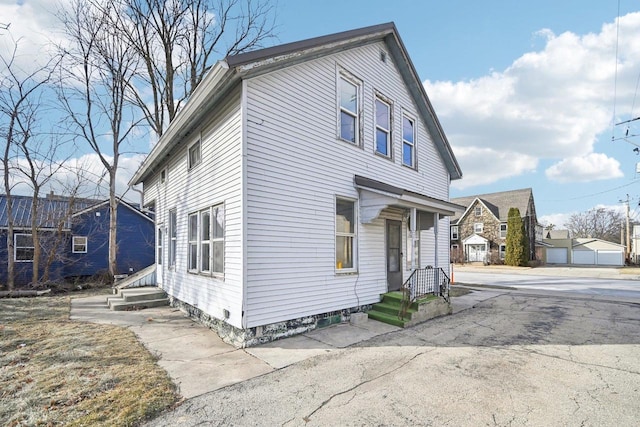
(584, 257)
(556, 255)
(610, 258)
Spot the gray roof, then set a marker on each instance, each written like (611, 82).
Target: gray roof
(556, 234)
(498, 203)
(50, 211)
(226, 74)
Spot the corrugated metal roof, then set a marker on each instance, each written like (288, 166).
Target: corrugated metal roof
(50, 211)
(499, 203)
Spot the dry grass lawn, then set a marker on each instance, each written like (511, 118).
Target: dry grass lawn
(57, 372)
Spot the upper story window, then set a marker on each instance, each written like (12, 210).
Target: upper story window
(454, 232)
(163, 176)
(478, 227)
(408, 142)
(503, 230)
(79, 245)
(195, 156)
(478, 210)
(345, 235)
(23, 247)
(383, 127)
(349, 95)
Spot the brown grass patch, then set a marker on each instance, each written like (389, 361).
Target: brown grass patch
(54, 371)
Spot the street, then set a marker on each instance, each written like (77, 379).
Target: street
(514, 359)
(553, 279)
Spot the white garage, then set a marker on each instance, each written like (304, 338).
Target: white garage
(557, 255)
(597, 252)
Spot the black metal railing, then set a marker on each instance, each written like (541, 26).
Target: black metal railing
(423, 282)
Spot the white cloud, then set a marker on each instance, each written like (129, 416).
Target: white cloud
(592, 167)
(549, 104)
(557, 219)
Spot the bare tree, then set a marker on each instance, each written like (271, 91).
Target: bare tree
(98, 76)
(599, 223)
(178, 40)
(20, 105)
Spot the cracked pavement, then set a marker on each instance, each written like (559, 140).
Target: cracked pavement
(514, 359)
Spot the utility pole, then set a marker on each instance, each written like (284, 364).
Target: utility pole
(628, 240)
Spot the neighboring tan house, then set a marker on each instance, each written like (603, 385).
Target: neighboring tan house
(299, 183)
(479, 234)
(562, 249)
(73, 238)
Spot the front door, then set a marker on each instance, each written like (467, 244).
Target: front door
(394, 254)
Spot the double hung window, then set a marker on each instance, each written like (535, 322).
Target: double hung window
(23, 247)
(345, 234)
(173, 237)
(349, 109)
(408, 142)
(194, 155)
(206, 241)
(79, 245)
(454, 232)
(383, 127)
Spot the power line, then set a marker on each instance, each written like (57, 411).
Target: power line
(593, 194)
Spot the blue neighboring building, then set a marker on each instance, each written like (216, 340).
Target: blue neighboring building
(74, 237)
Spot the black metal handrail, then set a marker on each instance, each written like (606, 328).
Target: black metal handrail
(423, 282)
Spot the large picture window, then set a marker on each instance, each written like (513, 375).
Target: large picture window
(345, 235)
(173, 237)
(383, 128)
(408, 142)
(349, 109)
(23, 247)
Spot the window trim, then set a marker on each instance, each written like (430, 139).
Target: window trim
(503, 233)
(414, 156)
(354, 235)
(478, 225)
(173, 237)
(389, 130)
(456, 232)
(351, 79)
(193, 163)
(159, 246)
(211, 240)
(73, 244)
(16, 247)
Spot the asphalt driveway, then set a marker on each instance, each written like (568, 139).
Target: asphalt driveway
(514, 359)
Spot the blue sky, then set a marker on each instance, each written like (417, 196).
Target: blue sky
(525, 91)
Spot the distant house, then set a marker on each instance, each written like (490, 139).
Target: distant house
(73, 238)
(479, 233)
(561, 249)
(298, 184)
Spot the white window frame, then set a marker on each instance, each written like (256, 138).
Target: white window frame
(353, 235)
(503, 233)
(173, 236)
(455, 232)
(198, 240)
(477, 211)
(194, 161)
(502, 251)
(357, 115)
(385, 128)
(159, 238)
(74, 244)
(192, 242)
(478, 227)
(408, 143)
(16, 247)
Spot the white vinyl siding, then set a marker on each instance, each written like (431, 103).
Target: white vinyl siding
(294, 169)
(216, 182)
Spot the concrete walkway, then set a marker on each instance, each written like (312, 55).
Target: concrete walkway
(198, 361)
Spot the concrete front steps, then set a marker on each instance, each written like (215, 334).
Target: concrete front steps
(388, 310)
(138, 299)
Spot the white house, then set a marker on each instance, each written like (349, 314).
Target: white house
(298, 183)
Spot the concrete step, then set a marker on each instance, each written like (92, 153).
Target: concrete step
(137, 305)
(140, 294)
(386, 318)
(392, 309)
